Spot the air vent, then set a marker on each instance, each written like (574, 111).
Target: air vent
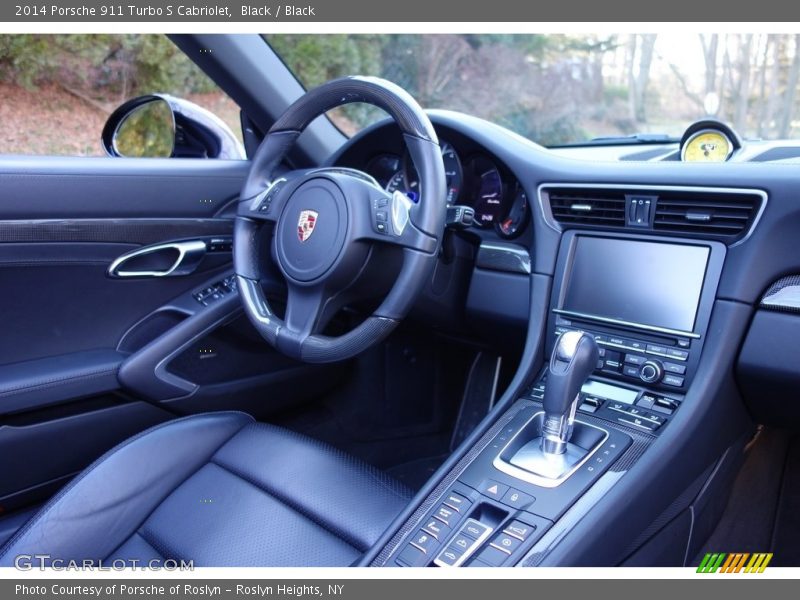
(720, 215)
(588, 207)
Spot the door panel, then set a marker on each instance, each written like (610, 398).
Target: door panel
(70, 329)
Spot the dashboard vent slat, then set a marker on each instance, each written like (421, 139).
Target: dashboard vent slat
(699, 213)
(591, 208)
(722, 215)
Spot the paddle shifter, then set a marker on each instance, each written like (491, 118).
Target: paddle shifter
(574, 358)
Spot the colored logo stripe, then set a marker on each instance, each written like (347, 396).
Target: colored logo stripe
(734, 562)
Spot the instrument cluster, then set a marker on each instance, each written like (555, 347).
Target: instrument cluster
(476, 180)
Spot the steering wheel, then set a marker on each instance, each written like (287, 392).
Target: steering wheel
(321, 224)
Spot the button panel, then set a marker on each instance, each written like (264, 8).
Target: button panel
(463, 545)
(633, 359)
(216, 291)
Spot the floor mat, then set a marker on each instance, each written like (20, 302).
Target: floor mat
(786, 535)
(416, 472)
(749, 519)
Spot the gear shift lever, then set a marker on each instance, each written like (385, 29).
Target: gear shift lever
(574, 358)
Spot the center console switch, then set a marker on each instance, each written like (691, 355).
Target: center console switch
(489, 517)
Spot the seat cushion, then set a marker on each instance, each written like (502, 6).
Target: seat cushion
(220, 490)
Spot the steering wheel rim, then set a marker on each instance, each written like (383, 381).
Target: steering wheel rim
(325, 219)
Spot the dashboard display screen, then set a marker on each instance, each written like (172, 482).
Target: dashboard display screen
(649, 283)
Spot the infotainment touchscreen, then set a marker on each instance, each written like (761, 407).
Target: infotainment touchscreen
(647, 283)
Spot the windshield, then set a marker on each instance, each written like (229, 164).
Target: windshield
(564, 89)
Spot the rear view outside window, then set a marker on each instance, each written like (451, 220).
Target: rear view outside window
(561, 89)
(56, 91)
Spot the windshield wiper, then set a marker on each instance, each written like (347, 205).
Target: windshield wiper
(618, 140)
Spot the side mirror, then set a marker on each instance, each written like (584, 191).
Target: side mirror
(146, 131)
(161, 126)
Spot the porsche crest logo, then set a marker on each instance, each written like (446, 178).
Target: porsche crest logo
(306, 224)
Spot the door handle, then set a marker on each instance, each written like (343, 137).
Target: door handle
(188, 256)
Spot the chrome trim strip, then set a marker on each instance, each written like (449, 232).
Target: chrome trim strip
(579, 315)
(189, 256)
(552, 224)
(518, 473)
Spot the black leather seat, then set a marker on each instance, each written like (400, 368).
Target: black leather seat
(219, 489)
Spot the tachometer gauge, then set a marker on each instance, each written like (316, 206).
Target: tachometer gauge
(406, 180)
(486, 190)
(383, 167)
(511, 225)
(707, 145)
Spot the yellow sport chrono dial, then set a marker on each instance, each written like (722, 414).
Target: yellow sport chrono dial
(707, 145)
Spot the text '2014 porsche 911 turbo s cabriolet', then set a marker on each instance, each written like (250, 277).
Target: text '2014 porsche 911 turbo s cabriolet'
(272, 312)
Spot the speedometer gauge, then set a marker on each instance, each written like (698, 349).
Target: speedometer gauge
(707, 145)
(406, 179)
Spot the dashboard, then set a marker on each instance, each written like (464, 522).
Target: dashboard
(475, 177)
(528, 199)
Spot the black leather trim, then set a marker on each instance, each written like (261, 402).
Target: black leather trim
(106, 503)
(36, 383)
(219, 490)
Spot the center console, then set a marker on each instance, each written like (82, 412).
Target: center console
(627, 321)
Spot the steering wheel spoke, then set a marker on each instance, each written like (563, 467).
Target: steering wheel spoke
(389, 222)
(268, 204)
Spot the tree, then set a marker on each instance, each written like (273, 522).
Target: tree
(640, 61)
(791, 88)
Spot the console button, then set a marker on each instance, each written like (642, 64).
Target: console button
(677, 354)
(517, 499)
(457, 502)
(493, 489)
(617, 341)
(684, 342)
(665, 405)
(674, 368)
(672, 380)
(446, 515)
(646, 401)
(518, 529)
(506, 543)
(656, 349)
(449, 556)
(638, 423)
(641, 346)
(618, 406)
(474, 529)
(651, 372)
(492, 556)
(461, 542)
(425, 542)
(630, 371)
(413, 557)
(635, 359)
(437, 529)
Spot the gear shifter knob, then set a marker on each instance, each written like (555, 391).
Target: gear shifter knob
(574, 358)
